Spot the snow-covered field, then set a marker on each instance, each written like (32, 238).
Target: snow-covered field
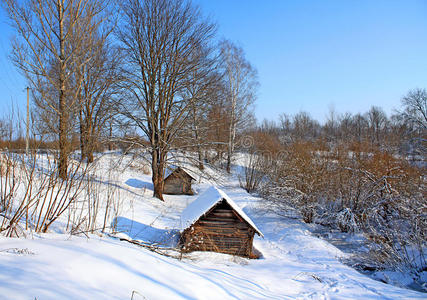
(295, 264)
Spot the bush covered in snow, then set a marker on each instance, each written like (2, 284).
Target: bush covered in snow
(376, 193)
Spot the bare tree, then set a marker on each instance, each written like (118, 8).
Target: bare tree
(331, 124)
(240, 87)
(377, 121)
(415, 105)
(217, 128)
(46, 30)
(304, 126)
(165, 42)
(360, 125)
(204, 90)
(3, 129)
(97, 76)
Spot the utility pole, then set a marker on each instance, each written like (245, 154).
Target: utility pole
(27, 138)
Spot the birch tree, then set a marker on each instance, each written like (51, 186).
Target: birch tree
(240, 81)
(204, 90)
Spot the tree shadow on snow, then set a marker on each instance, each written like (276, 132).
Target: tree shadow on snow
(146, 233)
(136, 183)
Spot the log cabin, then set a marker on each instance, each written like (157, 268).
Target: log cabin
(214, 222)
(178, 182)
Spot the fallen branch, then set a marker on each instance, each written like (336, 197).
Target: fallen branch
(152, 247)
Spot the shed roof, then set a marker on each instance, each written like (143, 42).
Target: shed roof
(172, 169)
(205, 202)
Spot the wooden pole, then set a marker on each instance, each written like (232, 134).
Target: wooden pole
(27, 138)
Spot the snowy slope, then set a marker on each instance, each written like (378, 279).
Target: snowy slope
(295, 264)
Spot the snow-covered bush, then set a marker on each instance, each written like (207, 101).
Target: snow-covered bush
(297, 178)
(347, 221)
(374, 192)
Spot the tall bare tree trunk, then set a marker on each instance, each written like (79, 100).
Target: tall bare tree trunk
(240, 83)
(157, 176)
(198, 141)
(110, 137)
(90, 140)
(232, 134)
(63, 109)
(82, 135)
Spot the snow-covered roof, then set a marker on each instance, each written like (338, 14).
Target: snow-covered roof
(169, 170)
(205, 202)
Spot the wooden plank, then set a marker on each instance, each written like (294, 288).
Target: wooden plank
(221, 210)
(219, 223)
(221, 215)
(221, 237)
(232, 251)
(217, 246)
(222, 233)
(219, 218)
(222, 240)
(220, 243)
(221, 229)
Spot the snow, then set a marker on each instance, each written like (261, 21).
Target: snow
(172, 168)
(295, 264)
(205, 202)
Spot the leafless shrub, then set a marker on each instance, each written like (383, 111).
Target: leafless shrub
(33, 192)
(142, 167)
(99, 202)
(113, 203)
(55, 195)
(256, 164)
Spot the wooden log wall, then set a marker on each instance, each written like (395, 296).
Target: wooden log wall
(220, 230)
(178, 185)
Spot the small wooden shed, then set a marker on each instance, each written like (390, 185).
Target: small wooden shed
(214, 222)
(178, 182)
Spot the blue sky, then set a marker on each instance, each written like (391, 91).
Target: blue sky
(310, 55)
(314, 55)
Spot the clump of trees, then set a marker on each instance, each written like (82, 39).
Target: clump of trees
(356, 173)
(58, 44)
(155, 79)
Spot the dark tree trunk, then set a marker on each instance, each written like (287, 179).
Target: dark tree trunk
(201, 166)
(82, 137)
(90, 136)
(229, 162)
(157, 177)
(63, 140)
(90, 156)
(63, 110)
(110, 146)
